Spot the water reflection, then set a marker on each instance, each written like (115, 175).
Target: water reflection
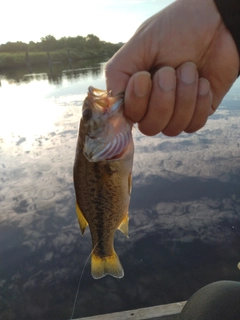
(56, 73)
(184, 213)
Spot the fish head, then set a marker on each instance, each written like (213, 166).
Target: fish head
(104, 129)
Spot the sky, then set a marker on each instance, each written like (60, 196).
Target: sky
(111, 20)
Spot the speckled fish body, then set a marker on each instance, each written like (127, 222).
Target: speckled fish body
(102, 176)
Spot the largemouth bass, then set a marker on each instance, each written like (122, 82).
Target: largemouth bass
(102, 177)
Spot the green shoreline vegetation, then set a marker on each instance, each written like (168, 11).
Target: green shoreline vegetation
(51, 50)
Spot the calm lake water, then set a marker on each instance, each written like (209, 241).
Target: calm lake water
(184, 215)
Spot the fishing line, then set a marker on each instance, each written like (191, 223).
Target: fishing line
(80, 278)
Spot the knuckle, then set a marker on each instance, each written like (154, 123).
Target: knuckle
(171, 131)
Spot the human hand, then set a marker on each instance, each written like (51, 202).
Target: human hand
(192, 31)
(176, 100)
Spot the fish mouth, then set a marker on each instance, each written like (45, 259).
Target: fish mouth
(104, 99)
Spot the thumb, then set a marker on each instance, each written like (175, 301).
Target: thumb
(122, 66)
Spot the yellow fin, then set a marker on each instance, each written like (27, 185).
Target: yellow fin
(106, 265)
(124, 225)
(81, 220)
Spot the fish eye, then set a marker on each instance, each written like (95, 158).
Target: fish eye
(86, 114)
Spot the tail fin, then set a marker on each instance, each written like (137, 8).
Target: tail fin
(106, 265)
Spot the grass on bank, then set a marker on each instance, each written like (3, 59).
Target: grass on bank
(18, 59)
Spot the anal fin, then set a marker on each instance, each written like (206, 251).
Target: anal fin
(101, 266)
(124, 225)
(81, 220)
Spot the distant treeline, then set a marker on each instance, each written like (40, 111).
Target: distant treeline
(19, 53)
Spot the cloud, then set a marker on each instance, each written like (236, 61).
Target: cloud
(185, 206)
(43, 190)
(212, 151)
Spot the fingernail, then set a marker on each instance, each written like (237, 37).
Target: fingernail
(142, 84)
(188, 73)
(166, 79)
(203, 87)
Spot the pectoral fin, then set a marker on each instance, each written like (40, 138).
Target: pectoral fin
(129, 183)
(124, 225)
(81, 220)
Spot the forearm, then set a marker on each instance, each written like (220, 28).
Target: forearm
(230, 12)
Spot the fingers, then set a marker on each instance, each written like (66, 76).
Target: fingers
(137, 95)
(161, 104)
(178, 101)
(203, 107)
(186, 96)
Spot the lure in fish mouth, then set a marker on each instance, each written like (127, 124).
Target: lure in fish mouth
(103, 175)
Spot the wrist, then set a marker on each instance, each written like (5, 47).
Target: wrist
(230, 14)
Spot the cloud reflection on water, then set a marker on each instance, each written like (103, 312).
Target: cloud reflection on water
(184, 217)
